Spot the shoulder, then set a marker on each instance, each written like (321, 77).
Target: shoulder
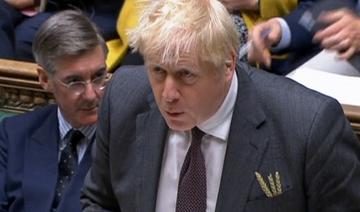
(128, 92)
(272, 86)
(285, 100)
(29, 120)
(298, 113)
(112, 6)
(276, 8)
(128, 83)
(130, 73)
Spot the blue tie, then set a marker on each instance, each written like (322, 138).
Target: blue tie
(67, 165)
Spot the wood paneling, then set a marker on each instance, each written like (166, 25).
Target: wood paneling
(353, 114)
(20, 90)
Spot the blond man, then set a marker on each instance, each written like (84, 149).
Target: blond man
(192, 131)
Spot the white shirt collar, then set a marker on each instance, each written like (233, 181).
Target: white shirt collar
(65, 127)
(218, 125)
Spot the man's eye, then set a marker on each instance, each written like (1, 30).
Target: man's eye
(187, 77)
(100, 73)
(72, 80)
(76, 85)
(158, 70)
(158, 73)
(187, 74)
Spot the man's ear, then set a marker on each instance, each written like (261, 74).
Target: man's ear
(44, 80)
(230, 64)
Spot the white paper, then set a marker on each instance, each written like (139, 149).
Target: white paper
(344, 88)
(328, 62)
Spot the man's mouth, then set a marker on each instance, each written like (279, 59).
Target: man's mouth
(174, 114)
(89, 108)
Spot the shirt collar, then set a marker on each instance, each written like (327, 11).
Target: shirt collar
(65, 127)
(218, 125)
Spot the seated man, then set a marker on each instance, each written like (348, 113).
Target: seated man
(45, 154)
(296, 35)
(343, 33)
(191, 131)
(250, 12)
(19, 28)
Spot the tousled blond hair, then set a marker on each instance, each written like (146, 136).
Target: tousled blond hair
(169, 29)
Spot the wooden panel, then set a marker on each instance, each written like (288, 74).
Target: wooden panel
(22, 70)
(353, 114)
(20, 90)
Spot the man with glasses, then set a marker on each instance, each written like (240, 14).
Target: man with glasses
(45, 154)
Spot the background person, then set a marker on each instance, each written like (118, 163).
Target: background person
(292, 35)
(18, 27)
(45, 154)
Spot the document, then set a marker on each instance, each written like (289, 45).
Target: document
(326, 74)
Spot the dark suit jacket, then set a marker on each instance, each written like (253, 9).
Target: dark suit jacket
(103, 13)
(29, 164)
(302, 35)
(277, 125)
(9, 16)
(301, 47)
(17, 31)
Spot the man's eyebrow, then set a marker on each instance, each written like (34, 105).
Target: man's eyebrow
(186, 69)
(73, 77)
(100, 70)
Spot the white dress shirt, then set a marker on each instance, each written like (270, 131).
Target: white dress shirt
(213, 146)
(285, 36)
(65, 127)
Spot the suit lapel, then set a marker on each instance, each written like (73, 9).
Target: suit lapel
(151, 139)
(40, 165)
(246, 145)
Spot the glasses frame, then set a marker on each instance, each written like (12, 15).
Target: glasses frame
(104, 79)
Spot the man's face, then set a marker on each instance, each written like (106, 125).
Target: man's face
(188, 92)
(78, 109)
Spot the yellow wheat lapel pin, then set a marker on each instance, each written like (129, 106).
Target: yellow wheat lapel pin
(275, 185)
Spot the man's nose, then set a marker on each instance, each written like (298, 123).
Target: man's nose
(90, 91)
(170, 91)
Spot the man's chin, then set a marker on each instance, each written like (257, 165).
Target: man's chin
(87, 120)
(178, 125)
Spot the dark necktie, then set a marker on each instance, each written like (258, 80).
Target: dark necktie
(191, 196)
(67, 165)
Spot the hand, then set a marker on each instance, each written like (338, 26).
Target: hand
(21, 4)
(259, 50)
(342, 34)
(239, 5)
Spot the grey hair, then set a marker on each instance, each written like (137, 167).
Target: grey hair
(67, 33)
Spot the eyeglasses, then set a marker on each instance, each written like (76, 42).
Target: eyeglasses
(79, 87)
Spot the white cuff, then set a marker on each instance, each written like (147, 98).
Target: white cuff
(285, 36)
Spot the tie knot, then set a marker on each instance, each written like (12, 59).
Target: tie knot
(75, 136)
(197, 135)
